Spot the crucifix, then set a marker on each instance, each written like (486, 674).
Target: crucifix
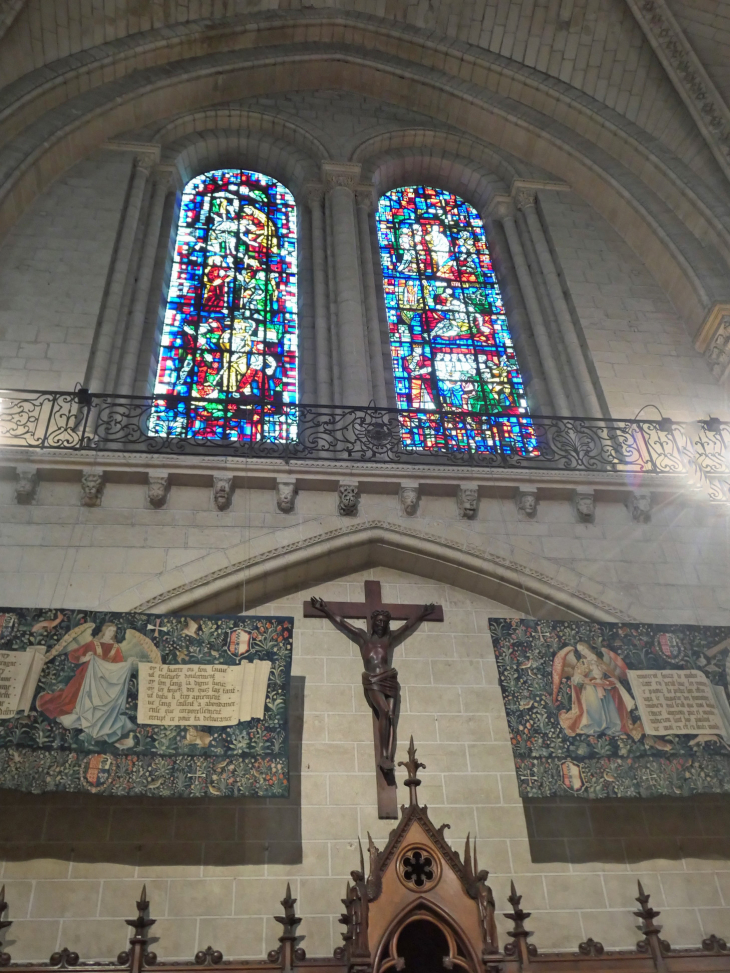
(380, 679)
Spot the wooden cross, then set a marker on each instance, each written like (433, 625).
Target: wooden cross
(387, 793)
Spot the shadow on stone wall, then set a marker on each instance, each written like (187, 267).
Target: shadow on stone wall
(628, 830)
(160, 831)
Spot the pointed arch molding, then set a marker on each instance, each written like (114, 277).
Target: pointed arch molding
(538, 589)
(646, 193)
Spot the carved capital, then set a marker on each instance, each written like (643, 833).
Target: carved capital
(92, 488)
(223, 489)
(315, 194)
(158, 487)
(526, 501)
(467, 500)
(286, 494)
(584, 505)
(364, 198)
(26, 484)
(524, 198)
(501, 208)
(164, 175)
(409, 496)
(341, 174)
(348, 498)
(146, 161)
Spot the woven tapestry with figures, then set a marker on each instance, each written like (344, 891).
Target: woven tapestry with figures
(615, 710)
(137, 704)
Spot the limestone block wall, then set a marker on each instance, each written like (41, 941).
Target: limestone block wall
(124, 553)
(53, 271)
(641, 349)
(216, 870)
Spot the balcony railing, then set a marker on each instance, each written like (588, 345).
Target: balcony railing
(179, 425)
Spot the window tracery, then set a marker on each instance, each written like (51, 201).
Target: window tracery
(228, 354)
(451, 347)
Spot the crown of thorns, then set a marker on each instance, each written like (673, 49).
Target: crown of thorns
(381, 613)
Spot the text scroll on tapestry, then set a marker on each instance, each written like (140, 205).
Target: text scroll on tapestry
(132, 704)
(615, 710)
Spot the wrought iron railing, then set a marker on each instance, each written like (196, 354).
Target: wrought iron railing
(188, 426)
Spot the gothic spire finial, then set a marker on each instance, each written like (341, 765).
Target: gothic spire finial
(412, 765)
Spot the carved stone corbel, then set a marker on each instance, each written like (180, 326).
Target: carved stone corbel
(26, 484)
(92, 488)
(409, 496)
(467, 501)
(158, 488)
(223, 489)
(526, 501)
(286, 494)
(584, 504)
(348, 498)
(639, 506)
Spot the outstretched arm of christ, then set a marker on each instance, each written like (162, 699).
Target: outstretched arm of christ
(351, 631)
(410, 626)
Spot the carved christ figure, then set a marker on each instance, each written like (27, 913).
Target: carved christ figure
(380, 679)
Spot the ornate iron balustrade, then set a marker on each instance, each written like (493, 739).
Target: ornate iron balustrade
(176, 425)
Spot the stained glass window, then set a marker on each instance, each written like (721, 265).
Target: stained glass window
(451, 347)
(228, 358)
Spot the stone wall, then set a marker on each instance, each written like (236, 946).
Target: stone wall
(216, 870)
(53, 271)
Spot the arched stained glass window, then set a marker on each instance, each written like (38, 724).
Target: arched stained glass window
(450, 344)
(228, 358)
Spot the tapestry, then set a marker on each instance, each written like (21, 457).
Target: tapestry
(615, 709)
(71, 703)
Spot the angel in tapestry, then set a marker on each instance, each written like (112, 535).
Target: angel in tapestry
(600, 704)
(95, 698)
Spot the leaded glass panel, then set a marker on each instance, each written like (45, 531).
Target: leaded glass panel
(228, 360)
(452, 352)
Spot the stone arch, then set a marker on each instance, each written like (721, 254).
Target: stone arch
(204, 150)
(231, 119)
(679, 262)
(286, 562)
(386, 159)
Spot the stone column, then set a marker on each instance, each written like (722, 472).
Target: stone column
(526, 199)
(340, 182)
(135, 327)
(322, 344)
(502, 210)
(364, 201)
(108, 323)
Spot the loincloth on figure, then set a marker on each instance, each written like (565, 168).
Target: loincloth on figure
(385, 682)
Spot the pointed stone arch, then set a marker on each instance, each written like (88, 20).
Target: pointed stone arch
(285, 562)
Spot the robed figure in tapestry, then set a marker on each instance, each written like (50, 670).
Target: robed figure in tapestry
(600, 703)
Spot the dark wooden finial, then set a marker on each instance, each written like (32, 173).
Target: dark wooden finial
(412, 765)
(651, 943)
(287, 952)
(519, 946)
(139, 956)
(4, 923)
